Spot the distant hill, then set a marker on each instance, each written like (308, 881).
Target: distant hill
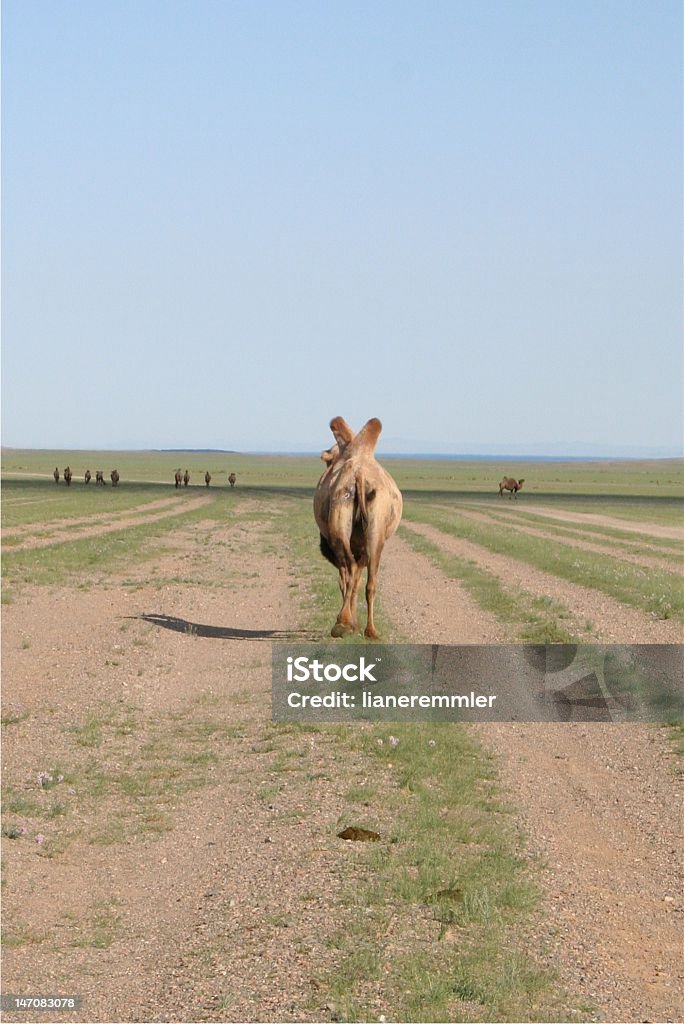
(197, 451)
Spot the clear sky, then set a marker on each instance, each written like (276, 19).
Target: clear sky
(226, 221)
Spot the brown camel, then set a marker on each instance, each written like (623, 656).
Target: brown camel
(114, 477)
(232, 479)
(178, 477)
(207, 478)
(67, 476)
(509, 484)
(358, 507)
(56, 475)
(99, 477)
(186, 477)
(88, 476)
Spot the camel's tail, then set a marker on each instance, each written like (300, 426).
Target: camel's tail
(363, 495)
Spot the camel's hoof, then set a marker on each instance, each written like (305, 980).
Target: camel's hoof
(371, 634)
(340, 629)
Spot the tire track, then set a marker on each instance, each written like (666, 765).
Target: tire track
(614, 622)
(600, 807)
(411, 588)
(111, 527)
(95, 518)
(645, 561)
(629, 525)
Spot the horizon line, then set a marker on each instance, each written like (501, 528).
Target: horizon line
(315, 453)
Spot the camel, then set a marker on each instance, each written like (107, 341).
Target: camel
(232, 479)
(56, 475)
(178, 477)
(67, 476)
(207, 478)
(357, 506)
(114, 477)
(88, 476)
(99, 477)
(186, 477)
(509, 484)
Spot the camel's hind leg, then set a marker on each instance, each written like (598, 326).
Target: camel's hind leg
(346, 620)
(371, 632)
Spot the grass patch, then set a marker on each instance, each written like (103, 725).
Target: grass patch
(451, 888)
(18, 934)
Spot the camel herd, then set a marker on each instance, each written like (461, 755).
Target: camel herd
(184, 478)
(179, 477)
(99, 476)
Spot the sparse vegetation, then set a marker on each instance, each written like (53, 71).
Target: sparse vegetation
(167, 729)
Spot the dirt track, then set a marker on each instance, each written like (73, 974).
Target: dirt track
(223, 916)
(631, 526)
(611, 621)
(602, 805)
(114, 521)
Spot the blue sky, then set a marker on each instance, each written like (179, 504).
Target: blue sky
(226, 222)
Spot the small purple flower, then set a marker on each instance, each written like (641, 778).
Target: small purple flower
(40, 838)
(394, 742)
(43, 778)
(379, 742)
(22, 830)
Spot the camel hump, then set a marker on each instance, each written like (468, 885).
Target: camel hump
(367, 437)
(342, 432)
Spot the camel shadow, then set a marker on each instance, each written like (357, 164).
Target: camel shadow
(178, 625)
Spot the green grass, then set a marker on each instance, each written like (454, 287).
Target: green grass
(451, 882)
(653, 590)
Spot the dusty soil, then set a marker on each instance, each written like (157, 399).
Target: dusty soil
(216, 899)
(226, 916)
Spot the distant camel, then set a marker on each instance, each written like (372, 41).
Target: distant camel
(56, 475)
(186, 478)
(67, 476)
(87, 478)
(178, 477)
(509, 484)
(114, 477)
(358, 507)
(99, 477)
(207, 478)
(232, 479)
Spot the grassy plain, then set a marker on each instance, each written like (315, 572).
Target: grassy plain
(455, 869)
